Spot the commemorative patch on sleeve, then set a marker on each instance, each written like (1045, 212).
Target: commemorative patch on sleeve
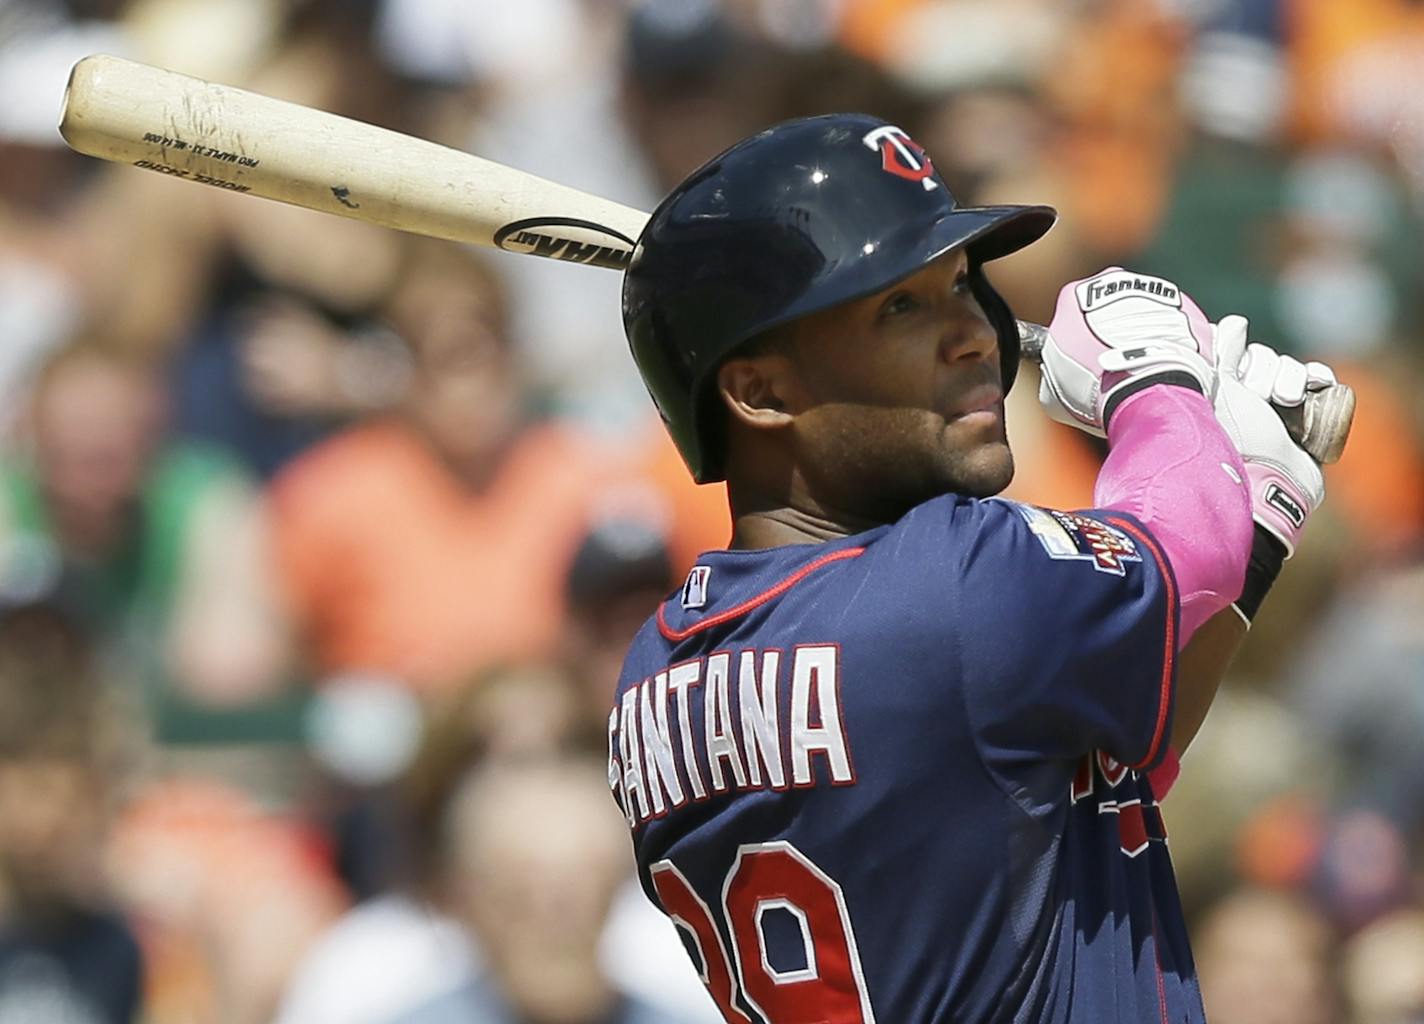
(1080, 538)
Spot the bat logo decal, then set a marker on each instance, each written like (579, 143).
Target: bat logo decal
(533, 236)
(341, 192)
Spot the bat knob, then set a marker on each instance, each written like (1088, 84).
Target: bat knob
(1321, 424)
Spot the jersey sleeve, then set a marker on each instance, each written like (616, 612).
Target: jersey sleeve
(1066, 626)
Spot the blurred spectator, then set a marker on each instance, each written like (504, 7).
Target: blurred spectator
(1112, 88)
(366, 731)
(432, 543)
(288, 348)
(543, 82)
(65, 953)
(271, 370)
(693, 84)
(1370, 636)
(229, 894)
(395, 949)
(1222, 209)
(1267, 958)
(1251, 754)
(166, 541)
(1363, 872)
(536, 854)
(1378, 488)
(1357, 75)
(400, 947)
(1356, 681)
(697, 516)
(41, 301)
(943, 46)
(1384, 971)
(619, 574)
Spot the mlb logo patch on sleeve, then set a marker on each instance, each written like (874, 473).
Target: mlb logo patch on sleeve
(1074, 537)
(694, 590)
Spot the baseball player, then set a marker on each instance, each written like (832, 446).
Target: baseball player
(896, 755)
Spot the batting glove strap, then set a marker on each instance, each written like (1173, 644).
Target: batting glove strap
(1268, 554)
(1280, 504)
(1127, 388)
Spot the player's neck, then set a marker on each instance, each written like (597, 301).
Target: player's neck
(773, 505)
(758, 525)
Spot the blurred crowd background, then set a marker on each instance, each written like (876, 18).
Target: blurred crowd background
(320, 544)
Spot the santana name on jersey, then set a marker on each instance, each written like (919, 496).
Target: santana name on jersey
(654, 749)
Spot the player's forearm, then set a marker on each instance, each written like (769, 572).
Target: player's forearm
(1172, 466)
(1200, 670)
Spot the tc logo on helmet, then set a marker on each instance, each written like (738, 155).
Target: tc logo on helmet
(902, 155)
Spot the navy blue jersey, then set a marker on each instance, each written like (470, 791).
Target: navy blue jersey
(895, 777)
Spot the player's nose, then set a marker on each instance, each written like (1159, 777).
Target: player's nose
(970, 340)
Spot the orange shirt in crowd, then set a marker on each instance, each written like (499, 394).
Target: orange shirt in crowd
(700, 518)
(1355, 67)
(393, 566)
(226, 894)
(1054, 465)
(1377, 487)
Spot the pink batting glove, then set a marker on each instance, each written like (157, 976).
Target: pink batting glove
(1115, 333)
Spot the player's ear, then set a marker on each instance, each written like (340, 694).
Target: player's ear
(759, 385)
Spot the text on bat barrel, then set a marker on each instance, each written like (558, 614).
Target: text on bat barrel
(197, 149)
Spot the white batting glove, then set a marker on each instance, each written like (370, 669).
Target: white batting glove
(1286, 483)
(1115, 333)
(1280, 379)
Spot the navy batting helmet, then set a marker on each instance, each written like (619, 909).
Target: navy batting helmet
(801, 217)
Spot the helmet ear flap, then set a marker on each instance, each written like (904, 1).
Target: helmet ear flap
(1002, 320)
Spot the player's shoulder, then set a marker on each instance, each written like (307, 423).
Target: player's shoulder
(744, 592)
(1060, 534)
(957, 522)
(960, 511)
(647, 653)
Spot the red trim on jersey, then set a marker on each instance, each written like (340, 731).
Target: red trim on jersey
(796, 577)
(1169, 653)
(1164, 776)
(1157, 964)
(1161, 988)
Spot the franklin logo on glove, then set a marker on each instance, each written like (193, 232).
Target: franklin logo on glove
(1109, 287)
(1277, 497)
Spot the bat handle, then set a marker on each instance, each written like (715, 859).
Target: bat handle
(1320, 424)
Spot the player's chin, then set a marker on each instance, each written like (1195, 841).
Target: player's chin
(977, 455)
(983, 470)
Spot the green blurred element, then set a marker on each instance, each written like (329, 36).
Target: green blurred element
(127, 599)
(1222, 231)
(277, 720)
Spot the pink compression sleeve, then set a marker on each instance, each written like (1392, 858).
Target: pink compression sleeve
(1172, 466)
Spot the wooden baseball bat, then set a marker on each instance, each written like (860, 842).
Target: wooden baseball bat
(242, 142)
(231, 139)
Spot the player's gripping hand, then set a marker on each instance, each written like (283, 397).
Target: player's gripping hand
(1286, 483)
(1115, 333)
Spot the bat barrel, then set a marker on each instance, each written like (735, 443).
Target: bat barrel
(242, 142)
